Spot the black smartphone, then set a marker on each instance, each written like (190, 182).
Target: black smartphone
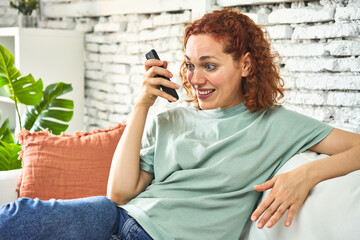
(153, 55)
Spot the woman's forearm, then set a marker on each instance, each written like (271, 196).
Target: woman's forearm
(126, 180)
(334, 166)
(125, 176)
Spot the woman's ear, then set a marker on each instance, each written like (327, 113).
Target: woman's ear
(245, 64)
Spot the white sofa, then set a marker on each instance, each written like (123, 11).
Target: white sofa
(331, 211)
(8, 184)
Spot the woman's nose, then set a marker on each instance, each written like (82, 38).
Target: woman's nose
(198, 78)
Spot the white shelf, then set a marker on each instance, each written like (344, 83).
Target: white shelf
(53, 56)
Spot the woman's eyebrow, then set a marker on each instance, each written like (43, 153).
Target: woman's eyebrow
(202, 58)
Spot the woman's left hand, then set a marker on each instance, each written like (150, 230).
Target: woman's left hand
(289, 191)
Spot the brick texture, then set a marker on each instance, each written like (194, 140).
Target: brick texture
(302, 15)
(318, 41)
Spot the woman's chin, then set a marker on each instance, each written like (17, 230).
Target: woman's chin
(206, 106)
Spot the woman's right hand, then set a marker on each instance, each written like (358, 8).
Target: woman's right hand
(150, 88)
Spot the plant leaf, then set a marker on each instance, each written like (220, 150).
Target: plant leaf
(5, 133)
(23, 90)
(62, 103)
(8, 71)
(51, 111)
(61, 115)
(27, 90)
(9, 153)
(58, 89)
(55, 127)
(25, 7)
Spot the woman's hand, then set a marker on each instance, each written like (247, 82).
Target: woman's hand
(289, 191)
(150, 88)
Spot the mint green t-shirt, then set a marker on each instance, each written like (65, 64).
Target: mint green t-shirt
(205, 163)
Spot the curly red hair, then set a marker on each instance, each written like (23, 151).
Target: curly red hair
(263, 87)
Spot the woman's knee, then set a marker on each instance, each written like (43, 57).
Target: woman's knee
(12, 214)
(14, 208)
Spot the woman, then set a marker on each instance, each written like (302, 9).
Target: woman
(206, 161)
(198, 166)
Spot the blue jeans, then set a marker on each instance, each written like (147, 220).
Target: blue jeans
(95, 218)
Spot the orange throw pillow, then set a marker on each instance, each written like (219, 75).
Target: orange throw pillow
(66, 166)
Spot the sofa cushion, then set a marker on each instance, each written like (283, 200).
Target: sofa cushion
(66, 166)
(329, 212)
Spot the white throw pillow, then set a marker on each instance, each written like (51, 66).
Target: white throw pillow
(331, 211)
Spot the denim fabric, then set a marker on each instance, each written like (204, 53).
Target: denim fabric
(95, 218)
(129, 229)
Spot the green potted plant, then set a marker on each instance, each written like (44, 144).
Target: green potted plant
(25, 9)
(43, 108)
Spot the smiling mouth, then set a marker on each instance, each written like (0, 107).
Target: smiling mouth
(205, 92)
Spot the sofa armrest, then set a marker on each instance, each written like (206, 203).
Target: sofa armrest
(8, 185)
(329, 212)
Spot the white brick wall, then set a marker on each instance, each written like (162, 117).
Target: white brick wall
(318, 40)
(302, 15)
(347, 13)
(324, 31)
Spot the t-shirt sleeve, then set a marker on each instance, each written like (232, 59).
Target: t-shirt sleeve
(306, 130)
(147, 150)
(289, 133)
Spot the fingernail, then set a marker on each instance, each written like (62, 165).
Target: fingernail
(260, 225)
(173, 99)
(269, 224)
(253, 218)
(287, 223)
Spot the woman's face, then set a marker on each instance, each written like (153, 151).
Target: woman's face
(214, 75)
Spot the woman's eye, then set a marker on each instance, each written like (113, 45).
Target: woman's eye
(210, 66)
(190, 66)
